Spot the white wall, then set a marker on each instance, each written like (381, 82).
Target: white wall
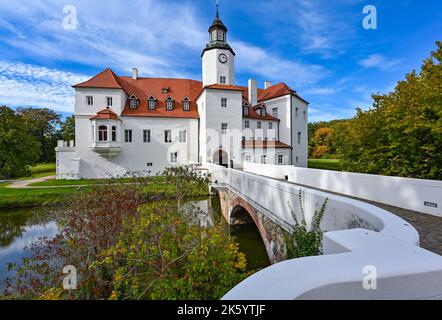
(271, 154)
(135, 156)
(100, 102)
(254, 132)
(400, 192)
(299, 124)
(212, 68)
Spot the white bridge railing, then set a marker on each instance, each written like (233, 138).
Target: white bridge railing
(360, 241)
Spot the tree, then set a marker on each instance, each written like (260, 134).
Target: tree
(323, 142)
(67, 129)
(43, 124)
(18, 148)
(402, 134)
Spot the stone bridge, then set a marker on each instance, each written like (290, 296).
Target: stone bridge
(357, 235)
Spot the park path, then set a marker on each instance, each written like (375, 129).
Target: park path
(24, 184)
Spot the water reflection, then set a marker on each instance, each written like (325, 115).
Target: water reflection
(19, 228)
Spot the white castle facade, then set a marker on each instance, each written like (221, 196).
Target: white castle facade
(136, 124)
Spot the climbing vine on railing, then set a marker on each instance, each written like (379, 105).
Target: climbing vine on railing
(304, 241)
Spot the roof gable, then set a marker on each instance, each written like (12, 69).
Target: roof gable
(106, 79)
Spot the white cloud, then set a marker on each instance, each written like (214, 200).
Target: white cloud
(29, 85)
(378, 61)
(321, 91)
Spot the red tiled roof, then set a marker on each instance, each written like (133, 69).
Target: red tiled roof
(144, 88)
(253, 113)
(105, 114)
(264, 144)
(106, 79)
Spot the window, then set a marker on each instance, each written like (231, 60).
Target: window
(167, 136)
(146, 136)
(133, 102)
(222, 79)
(296, 112)
(169, 104)
(90, 100)
(248, 158)
(102, 133)
(258, 125)
(165, 90)
(264, 159)
(186, 104)
(263, 112)
(223, 128)
(297, 159)
(280, 159)
(246, 124)
(183, 136)
(109, 101)
(245, 111)
(243, 139)
(270, 125)
(149, 164)
(275, 112)
(173, 157)
(114, 133)
(223, 102)
(152, 103)
(299, 137)
(127, 135)
(220, 35)
(305, 115)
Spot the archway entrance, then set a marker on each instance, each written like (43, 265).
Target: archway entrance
(221, 158)
(249, 238)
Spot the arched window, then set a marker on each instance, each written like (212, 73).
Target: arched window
(169, 104)
(102, 133)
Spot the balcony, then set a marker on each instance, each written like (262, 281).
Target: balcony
(106, 149)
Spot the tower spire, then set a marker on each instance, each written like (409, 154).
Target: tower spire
(217, 9)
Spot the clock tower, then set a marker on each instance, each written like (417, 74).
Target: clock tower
(218, 57)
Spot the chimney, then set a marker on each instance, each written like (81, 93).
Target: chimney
(135, 74)
(253, 93)
(267, 84)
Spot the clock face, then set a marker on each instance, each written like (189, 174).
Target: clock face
(222, 58)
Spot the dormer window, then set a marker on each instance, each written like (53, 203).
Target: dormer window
(263, 112)
(169, 104)
(186, 104)
(133, 102)
(165, 90)
(245, 109)
(151, 103)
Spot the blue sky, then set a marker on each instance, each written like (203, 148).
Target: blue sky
(319, 48)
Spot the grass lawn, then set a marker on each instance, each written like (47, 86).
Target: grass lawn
(325, 164)
(16, 198)
(40, 170)
(83, 182)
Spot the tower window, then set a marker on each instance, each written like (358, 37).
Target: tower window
(102, 133)
(223, 102)
(275, 112)
(223, 128)
(222, 79)
(169, 104)
(299, 137)
(296, 112)
(90, 100)
(305, 115)
(220, 35)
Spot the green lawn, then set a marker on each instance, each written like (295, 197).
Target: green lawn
(325, 164)
(15, 198)
(83, 182)
(40, 170)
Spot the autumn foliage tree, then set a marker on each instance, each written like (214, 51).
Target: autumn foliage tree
(402, 134)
